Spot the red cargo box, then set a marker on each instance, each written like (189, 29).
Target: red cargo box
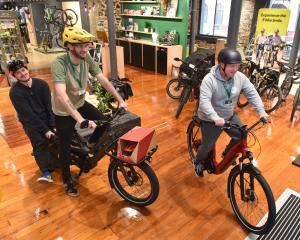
(135, 144)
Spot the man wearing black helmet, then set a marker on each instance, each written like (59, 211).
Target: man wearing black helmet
(32, 101)
(219, 92)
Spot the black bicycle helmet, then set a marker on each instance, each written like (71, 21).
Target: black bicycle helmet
(229, 56)
(15, 65)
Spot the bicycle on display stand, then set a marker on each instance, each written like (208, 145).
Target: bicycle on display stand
(191, 72)
(265, 81)
(292, 77)
(55, 21)
(249, 193)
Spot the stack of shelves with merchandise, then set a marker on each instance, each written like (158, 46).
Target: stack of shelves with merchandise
(141, 18)
(11, 44)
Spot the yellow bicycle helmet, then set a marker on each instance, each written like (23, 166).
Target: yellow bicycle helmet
(76, 35)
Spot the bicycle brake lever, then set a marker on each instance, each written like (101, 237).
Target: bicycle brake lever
(122, 111)
(226, 125)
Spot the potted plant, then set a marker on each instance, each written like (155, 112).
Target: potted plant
(104, 98)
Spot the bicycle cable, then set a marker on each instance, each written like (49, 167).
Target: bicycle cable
(252, 134)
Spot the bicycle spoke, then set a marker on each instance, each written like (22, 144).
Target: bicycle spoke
(253, 210)
(139, 187)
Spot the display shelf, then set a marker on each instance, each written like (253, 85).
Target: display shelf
(151, 16)
(142, 32)
(11, 44)
(140, 2)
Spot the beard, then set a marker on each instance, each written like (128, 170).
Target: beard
(77, 54)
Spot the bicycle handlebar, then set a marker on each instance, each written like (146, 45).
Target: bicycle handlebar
(119, 111)
(228, 125)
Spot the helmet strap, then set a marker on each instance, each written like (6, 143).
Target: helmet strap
(223, 69)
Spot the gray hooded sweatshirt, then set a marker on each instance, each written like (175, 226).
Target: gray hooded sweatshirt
(218, 97)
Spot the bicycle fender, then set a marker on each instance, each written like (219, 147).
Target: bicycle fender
(189, 127)
(110, 168)
(246, 167)
(195, 120)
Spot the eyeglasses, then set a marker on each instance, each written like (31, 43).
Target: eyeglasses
(82, 45)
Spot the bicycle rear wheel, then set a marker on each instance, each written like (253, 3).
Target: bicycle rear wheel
(59, 41)
(194, 139)
(137, 184)
(183, 99)
(256, 210)
(271, 97)
(296, 103)
(174, 88)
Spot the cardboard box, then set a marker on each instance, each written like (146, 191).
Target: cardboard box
(136, 144)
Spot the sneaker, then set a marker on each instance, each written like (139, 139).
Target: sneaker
(71, 190)
(198, 168)
(46, 177)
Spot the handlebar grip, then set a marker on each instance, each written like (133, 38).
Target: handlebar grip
(54, 139)
(84, 124)
(264, 120)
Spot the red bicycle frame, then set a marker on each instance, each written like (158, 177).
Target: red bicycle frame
(221, 166)
(239, 148)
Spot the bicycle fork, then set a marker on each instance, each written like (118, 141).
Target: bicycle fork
(247, 194)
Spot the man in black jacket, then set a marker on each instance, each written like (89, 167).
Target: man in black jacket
(31, 98)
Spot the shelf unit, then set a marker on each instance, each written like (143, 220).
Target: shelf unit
(140, 2)
(161, 23)
(11, 44)
(149, 33)
(150, 16)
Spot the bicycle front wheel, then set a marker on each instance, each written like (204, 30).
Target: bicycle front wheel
(295, 104)
(183, 99)
(271, 97)
(174, 88)
(252, 199)
(70, 17)
(137, 184)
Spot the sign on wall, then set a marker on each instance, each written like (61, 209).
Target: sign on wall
(271, 19)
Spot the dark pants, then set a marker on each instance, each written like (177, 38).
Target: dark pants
(210, 135)
(65, 128)
(41, 151)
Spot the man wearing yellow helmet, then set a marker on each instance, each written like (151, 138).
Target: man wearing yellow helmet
(70, 75)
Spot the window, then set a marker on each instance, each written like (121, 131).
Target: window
(214, 17)
(205, 12)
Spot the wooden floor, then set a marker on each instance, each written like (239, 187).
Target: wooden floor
(187, 208)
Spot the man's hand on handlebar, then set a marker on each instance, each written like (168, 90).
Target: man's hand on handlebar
(265, 118)
(123, 104)
(219, 122)
(49, 134)
(88, 124)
